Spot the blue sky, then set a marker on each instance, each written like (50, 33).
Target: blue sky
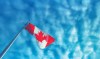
(73, 23)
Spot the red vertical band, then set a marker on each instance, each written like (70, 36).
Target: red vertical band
(30, 27)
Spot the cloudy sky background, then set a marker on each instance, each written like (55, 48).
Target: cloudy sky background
(75, 25)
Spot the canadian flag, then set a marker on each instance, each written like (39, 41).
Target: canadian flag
(43, 39)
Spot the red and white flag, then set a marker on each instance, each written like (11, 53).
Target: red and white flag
(43, 39)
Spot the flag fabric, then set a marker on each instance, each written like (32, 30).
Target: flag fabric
(43, 38)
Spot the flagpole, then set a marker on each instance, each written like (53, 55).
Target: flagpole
(10, 44)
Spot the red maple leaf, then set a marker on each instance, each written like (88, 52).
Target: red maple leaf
(40, 36)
